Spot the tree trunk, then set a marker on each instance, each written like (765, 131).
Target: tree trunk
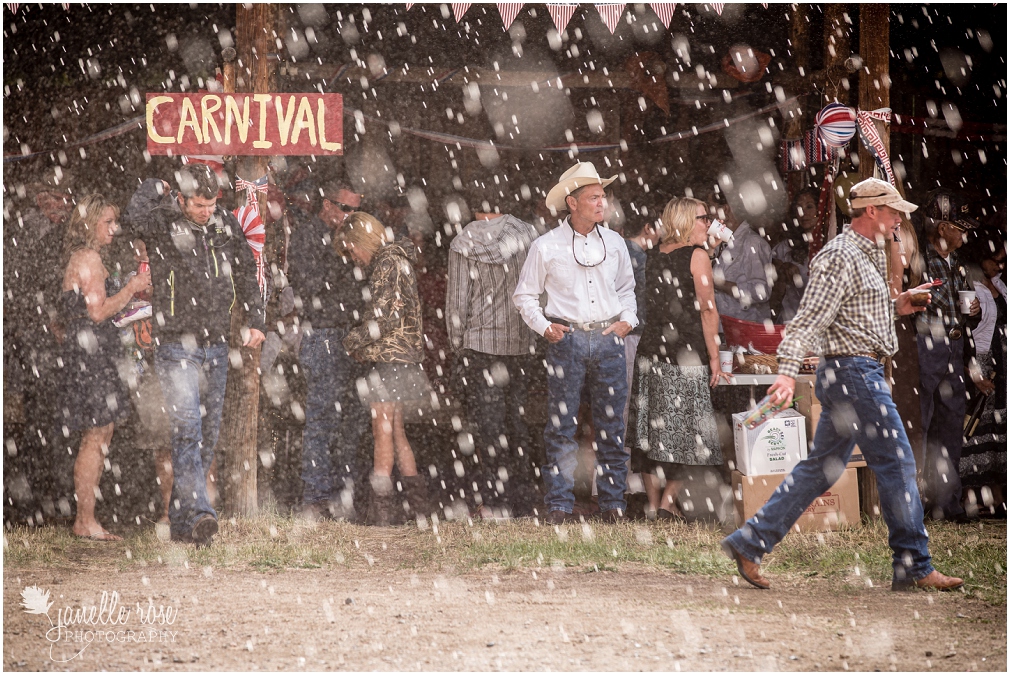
(254, 72)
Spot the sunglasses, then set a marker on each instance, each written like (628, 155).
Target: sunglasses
(343, 207)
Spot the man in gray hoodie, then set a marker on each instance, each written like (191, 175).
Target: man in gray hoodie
(496, 355)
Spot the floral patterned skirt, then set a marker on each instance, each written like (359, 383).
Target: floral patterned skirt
(671, 418)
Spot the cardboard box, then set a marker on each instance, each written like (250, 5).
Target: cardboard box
(775, 447)
(836, 507)
(810, 407)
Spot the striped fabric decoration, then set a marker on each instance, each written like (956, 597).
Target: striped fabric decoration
(509, 11)
(409, 5)
(611, 14)
(664, 10)
(561, 15)
(793, 158)
(718, 7)
(816, 150)
(12, 7)
(872, 140)
(459, 9)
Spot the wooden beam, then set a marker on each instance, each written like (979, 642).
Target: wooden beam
(874, 92)
(256, 29)
(837, 31)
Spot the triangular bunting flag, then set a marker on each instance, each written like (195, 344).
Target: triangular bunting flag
(561, 14)
(409, 5)
(13, 7)
(611, 14)
(718, 7)
(664, 10)
(509, 11)
(459, 9)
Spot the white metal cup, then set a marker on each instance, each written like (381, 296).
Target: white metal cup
(719, 231)
(964, 300)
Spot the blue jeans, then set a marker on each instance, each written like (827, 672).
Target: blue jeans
(942, 402)
(596, 361)
(856, 408)
(496, 409)
(334, 417)
(192, 379)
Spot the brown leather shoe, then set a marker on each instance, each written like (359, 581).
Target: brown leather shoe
(560, 517)
(749, 570)
(934, 579)
(613, 516)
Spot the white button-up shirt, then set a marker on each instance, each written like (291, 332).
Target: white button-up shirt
(576, 293)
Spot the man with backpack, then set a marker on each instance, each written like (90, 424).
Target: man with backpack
(201, 270)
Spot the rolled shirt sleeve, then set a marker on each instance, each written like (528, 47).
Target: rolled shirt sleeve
(817, 311)
(624, 284)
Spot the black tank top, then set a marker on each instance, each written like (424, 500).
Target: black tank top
(673, 332)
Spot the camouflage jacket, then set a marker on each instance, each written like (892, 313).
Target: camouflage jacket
(391, 327)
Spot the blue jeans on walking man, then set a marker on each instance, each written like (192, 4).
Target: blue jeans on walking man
(334, 419)
(594, 360)
(193, 380)
(856, 408)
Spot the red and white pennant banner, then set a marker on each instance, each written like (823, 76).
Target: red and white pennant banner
(664, 10)
(611, 14)
(509, 11)
(409, 5)
(459, 9)
(718, 7)
(561, 15)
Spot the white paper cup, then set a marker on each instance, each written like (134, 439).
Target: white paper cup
(964, 300)
(720, 231)
(726, 361)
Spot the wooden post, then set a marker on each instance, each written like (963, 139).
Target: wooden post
(874, 92)
(799, 39)
(837, 31)
(255, 72)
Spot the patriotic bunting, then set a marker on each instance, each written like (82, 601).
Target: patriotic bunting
(459, 9)
(509, 11)
(251, 188)
(561, 15)
(611, 14)
(409, 5)
(13, 7)
(718, 7)
(255, 235)
(664, 10)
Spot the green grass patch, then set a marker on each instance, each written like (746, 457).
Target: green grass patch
(272, 543)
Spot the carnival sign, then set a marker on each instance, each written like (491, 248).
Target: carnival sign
(244, 124)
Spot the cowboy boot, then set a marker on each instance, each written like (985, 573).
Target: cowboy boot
(380, 508)
(415, 490)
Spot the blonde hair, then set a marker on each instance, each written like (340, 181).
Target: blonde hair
(912, 260)
(678, 219)
(363, 231)
(81, 228)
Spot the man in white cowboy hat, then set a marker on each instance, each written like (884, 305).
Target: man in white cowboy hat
(586, 273)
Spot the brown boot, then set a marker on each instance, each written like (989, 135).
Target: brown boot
(382, 505)
(415, 491)
(748, 569)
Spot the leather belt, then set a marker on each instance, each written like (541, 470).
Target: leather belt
(588, 327)
(869, 355)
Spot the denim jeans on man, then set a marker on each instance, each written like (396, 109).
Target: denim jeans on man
(193, 379)
(856, 408)
(334, 418)
(596, 361)
(495, 395)
(942, 400)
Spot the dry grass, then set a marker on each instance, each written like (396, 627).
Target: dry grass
(844, 559)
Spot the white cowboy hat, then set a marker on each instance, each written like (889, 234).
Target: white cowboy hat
(580, 175)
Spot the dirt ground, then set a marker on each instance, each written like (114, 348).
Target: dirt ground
(554, 618)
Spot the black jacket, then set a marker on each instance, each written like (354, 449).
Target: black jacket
(327, 293)
(199, 273)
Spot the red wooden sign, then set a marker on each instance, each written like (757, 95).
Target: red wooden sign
(245, 124)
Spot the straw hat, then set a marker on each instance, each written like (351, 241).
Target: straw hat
(580, 175)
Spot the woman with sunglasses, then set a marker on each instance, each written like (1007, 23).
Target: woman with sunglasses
(672, 423)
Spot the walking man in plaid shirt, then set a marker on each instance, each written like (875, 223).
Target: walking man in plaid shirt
(847, 316)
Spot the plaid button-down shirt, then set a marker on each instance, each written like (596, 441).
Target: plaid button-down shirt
(846, 308)
(942, 313)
